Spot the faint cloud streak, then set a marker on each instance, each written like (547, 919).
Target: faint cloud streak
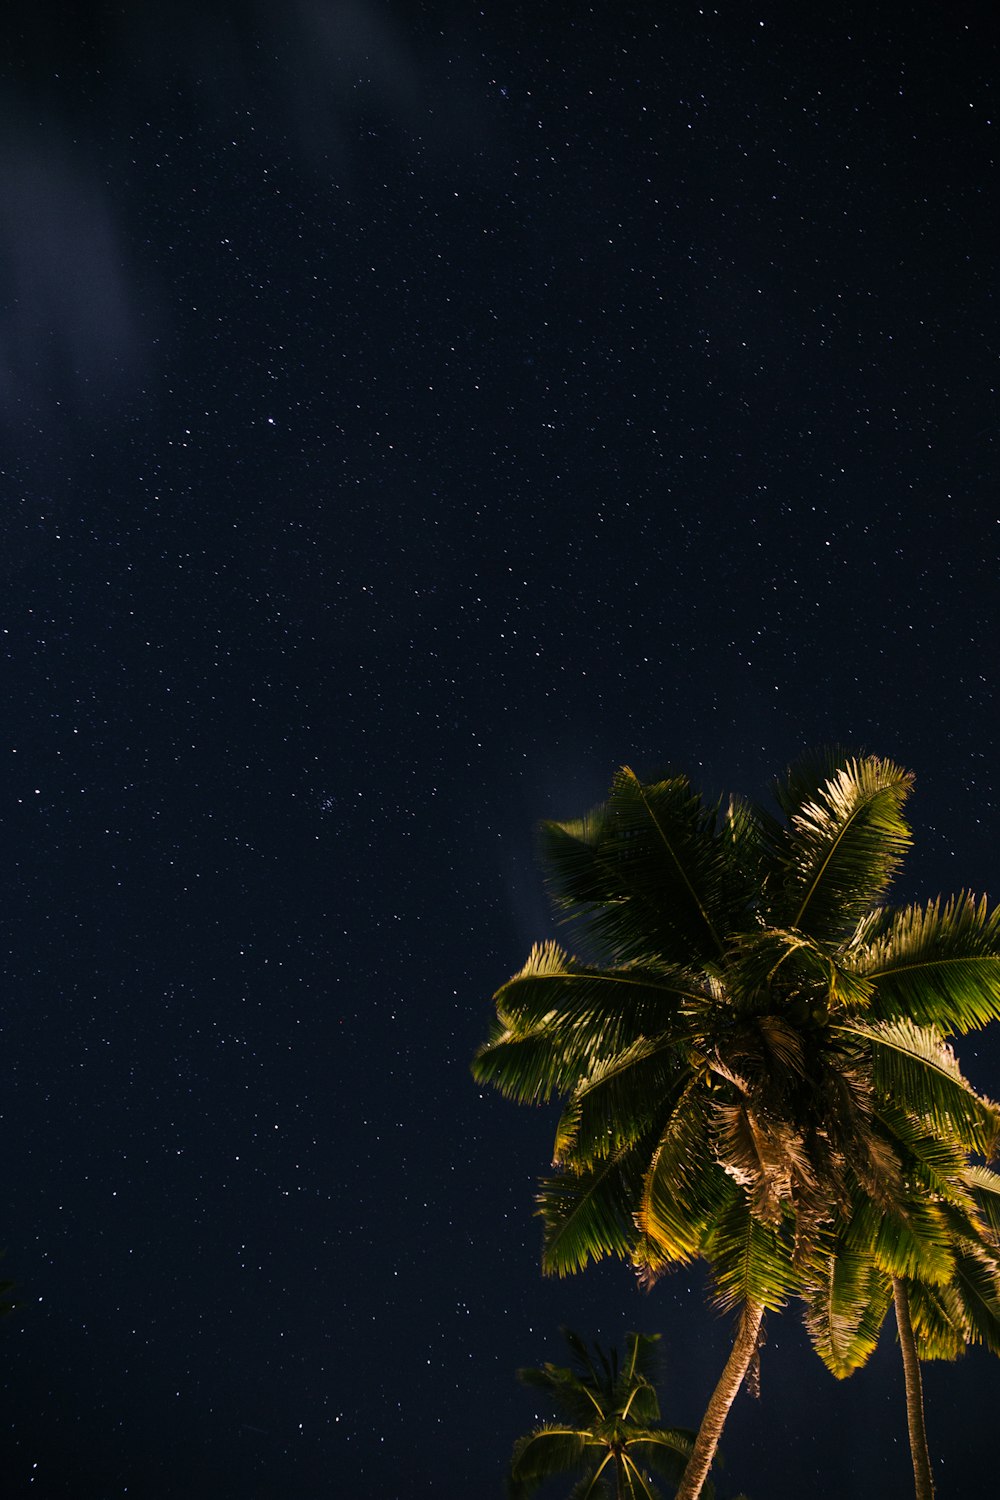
(68, 306)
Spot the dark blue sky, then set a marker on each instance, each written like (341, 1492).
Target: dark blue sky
(410, 413)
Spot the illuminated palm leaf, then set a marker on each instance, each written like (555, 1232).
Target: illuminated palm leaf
(684, 1191)
(752, 1264)
(845, 1311)
(985, 1187)
(587, 1213)
(912, 1062)
(843, 841)
(622, 1098)
(556, 1018)
(937, 965)
(948, 1320)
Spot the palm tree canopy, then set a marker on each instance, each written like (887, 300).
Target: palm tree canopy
(610, 1428)
(757, 1047)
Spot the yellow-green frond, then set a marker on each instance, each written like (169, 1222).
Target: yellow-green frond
(845, 1311)
(845, 838)
(914, 1242)
(620, 1100)
(937, 964)
(587, 1213)
(683, 1187)
(912, 1063)
(750, 1262)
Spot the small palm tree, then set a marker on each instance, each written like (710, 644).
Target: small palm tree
(610, 1434)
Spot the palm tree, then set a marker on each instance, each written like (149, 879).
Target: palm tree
(610, 1428)
(846, 1310)
(756, 1049)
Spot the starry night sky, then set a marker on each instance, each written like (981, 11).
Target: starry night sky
(409, 413)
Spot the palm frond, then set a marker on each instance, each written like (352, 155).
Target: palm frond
(650, 871)
(593, 1485)
(985, 1187)
(668, 844)
(643, 1360)
(938, 965)
(977, 1278)
(548, 1450)
(530, 1066)
(765, 1157)
(913, 1242)
(746, 829)
(749, 1262)
(665, 1451)
(683, 1187)
(936, 1321)
(948, 1319)
(789, 963)
(911, 1062)
(640, 1485)
(582, 1356)
(846, 1310)
(782, 1045)
(620, 1100)
(587, 1213)
(970, 1303)
(641, 1404)
(936, 1164)
(845, 838)
(802, 780)
(578, 1400)
(876, 1163)
(557, 1019)
(611, 1007)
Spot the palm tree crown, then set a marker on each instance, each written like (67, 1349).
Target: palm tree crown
(759, 1053)
(610, 1433)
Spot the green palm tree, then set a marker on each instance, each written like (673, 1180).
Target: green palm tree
(756, 1049)
(610, 1432)
(846, 1310)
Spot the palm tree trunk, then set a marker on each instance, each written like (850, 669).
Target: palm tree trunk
(723, 1396)
(923, 1483)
